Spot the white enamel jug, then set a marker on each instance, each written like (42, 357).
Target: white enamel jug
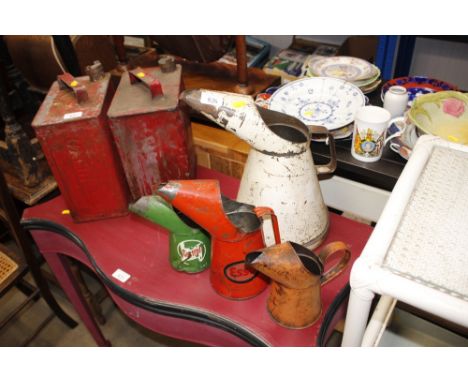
(279, 172)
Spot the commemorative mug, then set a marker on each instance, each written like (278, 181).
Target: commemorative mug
(370, 127)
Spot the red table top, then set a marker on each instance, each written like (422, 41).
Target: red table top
(141, 249)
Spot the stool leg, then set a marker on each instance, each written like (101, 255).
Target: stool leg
(356, 317)
(61, 268)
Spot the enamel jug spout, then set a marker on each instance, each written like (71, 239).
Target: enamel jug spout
(279, 172)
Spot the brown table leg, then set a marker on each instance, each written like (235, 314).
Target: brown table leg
(88, 296)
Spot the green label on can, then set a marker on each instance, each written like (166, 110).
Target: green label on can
(192, 254)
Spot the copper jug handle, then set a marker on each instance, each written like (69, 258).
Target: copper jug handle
(329, 250)
(67, 82)
(139, 75)
(261, 212)
(330, 167)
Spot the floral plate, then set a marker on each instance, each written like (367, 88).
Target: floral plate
(417, 86)
(444, 114)
(368, 81)
(322, 101)
(347, 68)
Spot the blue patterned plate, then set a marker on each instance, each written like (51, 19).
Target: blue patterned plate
(417, 86)
(320, 101)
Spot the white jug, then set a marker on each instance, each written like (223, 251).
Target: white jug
(279, 172)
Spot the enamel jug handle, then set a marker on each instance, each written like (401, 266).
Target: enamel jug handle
(330, 167)
(329, 250)
(261, 212)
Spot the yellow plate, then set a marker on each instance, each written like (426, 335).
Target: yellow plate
(444, 114)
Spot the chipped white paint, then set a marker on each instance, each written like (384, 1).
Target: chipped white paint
(238, 114)
(279, 174)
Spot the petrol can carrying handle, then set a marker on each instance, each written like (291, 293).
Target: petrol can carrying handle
(326, 252)
(139, 75)
(330, 167)
(67, 82)
(261, 212)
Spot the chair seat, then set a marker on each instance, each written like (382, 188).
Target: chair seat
(12, 267)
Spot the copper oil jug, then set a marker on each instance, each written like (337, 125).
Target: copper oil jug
(297, 276)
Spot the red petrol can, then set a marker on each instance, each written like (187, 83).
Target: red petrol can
(151, 129)
(72, 128)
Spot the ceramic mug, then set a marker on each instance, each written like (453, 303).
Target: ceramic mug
(403, 136)
(370, 128)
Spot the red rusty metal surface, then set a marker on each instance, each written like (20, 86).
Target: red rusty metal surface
(140, 75)
(81, 152)
(59, 104)
(201, 201)
(144, 258)
(67, 81)
(153, 135)
(136, 99)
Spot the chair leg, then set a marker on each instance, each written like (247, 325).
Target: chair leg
(11, 218)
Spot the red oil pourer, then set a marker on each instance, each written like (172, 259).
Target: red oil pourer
(235, 229)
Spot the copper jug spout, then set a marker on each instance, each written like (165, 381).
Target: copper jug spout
(297, 275)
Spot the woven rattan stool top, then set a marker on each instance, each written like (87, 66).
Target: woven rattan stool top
(430, 243)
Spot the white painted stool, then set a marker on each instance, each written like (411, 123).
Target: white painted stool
(418, 252)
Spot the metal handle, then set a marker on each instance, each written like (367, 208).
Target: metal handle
(330, 167)
(139, 75)
(329, 250)
(67, 82)
(261, 212)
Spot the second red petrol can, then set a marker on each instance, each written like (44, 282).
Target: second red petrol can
(73, 130)
(151, 129)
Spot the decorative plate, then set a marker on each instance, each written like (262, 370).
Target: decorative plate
(341, 133)
(343, 67)
(418, 85)
(444, 114)
(371, 87)
(322, 101)
(362, 84)
(368, 81)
